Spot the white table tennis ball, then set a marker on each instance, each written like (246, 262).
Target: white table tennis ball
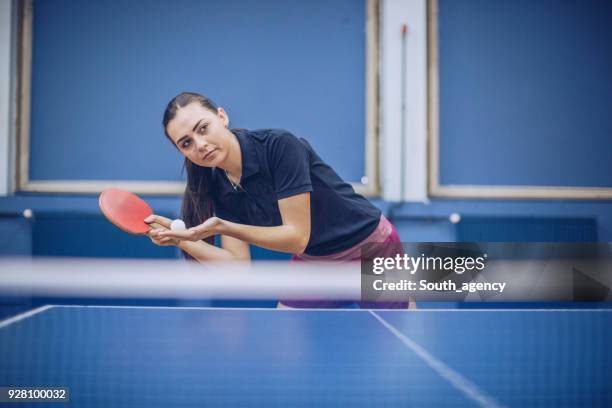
(454, 218)
(177, 225)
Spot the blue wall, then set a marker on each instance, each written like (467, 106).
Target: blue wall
(525, 99)
(63, 220)
(104, 70)
(526, 92)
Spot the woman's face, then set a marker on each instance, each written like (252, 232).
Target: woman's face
(201, 135)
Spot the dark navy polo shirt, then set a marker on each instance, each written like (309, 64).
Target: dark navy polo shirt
(277, 165)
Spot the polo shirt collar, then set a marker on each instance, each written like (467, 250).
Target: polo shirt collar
(248, 150)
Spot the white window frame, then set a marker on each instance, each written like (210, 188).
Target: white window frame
(368, 185)
(476, 191)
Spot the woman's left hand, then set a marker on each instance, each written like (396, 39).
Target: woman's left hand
(208, 228)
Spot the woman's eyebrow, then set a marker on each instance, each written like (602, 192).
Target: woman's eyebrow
(197, 124)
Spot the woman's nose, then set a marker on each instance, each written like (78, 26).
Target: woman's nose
(201, 144)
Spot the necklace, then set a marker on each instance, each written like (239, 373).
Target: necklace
(235, 185)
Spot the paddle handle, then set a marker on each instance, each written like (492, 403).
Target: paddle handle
(155, 225)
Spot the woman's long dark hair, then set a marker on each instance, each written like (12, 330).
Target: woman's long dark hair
(197, 200)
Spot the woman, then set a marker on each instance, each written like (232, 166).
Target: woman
(262, 187)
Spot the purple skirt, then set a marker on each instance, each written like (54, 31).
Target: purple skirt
(385, 233)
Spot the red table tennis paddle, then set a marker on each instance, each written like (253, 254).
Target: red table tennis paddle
(126, 210)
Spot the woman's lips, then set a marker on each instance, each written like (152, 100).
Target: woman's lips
(209, 155)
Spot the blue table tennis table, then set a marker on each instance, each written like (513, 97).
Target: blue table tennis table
(209, 357)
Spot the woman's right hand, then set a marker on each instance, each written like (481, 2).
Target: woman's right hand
(159, 224)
